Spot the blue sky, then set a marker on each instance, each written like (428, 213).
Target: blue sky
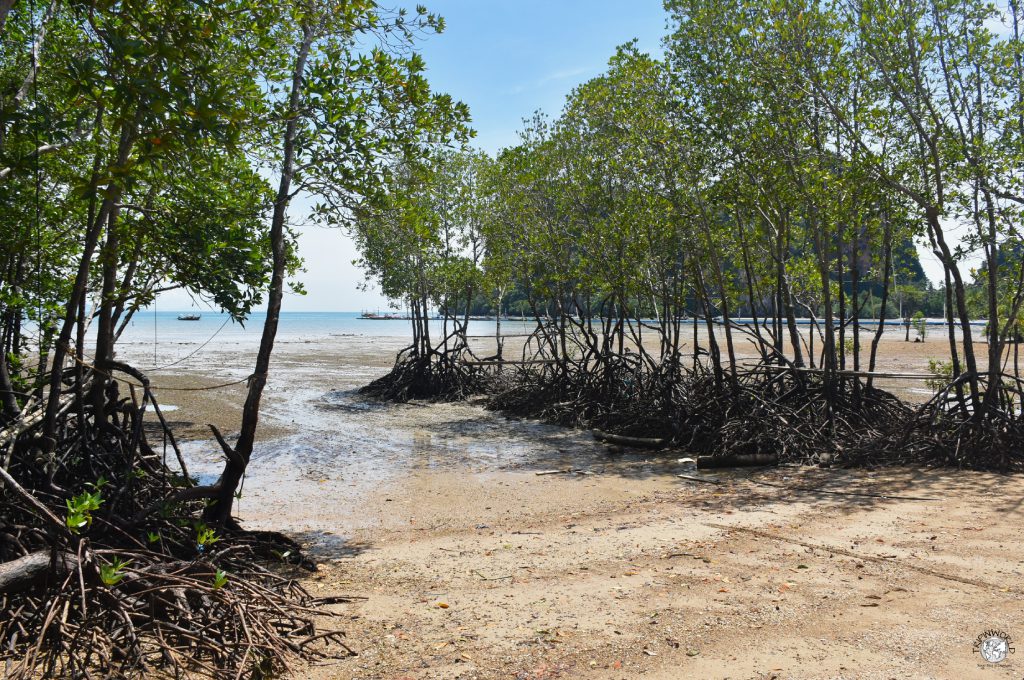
(508, 59)
(505, 60)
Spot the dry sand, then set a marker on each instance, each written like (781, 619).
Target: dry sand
(626, 572)
(633, 573)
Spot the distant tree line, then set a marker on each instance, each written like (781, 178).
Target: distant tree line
(778, 164)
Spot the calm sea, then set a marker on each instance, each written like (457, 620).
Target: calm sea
(147, 328)
(164, 327)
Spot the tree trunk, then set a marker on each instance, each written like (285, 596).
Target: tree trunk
(218, 513)
(5, 9)
(995, 347)
(750, 289)
(787, 298)
(92, 235)
(828, 353)
(954, 355)
(497, 325)
(886, 275)
(960, 300)
(855, 308)
(8, 399)
(109, 257)
(713, 351)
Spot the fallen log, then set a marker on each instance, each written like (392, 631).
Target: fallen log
(565, 471)
(737, 460)
(623, 440)
(34, 569)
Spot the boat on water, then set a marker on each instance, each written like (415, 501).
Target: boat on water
(189, 317)
(386, 316)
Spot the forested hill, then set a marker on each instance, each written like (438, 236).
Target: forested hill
(917, 291)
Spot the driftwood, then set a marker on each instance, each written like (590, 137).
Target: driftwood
(34, 569)
(622, 440)
(737, 460)
(564, 471)
(704, 480)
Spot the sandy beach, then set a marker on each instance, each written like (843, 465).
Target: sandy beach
(473, 565)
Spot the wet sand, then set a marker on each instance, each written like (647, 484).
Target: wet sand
(626, 571)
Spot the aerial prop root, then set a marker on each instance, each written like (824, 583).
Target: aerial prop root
(134, 581)
(438, 375)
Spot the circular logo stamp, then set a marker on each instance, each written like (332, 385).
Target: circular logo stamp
(994, 646)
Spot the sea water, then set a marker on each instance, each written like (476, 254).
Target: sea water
(162, 330)
(154, 339)
(148, 327)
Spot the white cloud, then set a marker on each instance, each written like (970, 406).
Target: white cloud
(552, 77)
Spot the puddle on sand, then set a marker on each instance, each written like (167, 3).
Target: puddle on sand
(327, 544)
(347, 446)
(343, 446)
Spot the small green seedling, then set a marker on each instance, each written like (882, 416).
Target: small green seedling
(920, 325)
(80, 509)
(943, 372)
(220, 579)
(205, 537)
(111, 574)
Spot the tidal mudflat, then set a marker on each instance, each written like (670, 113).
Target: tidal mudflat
(475, 566)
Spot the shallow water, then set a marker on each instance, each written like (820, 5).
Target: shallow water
(165, 330)
(342, 447)
(336, 449)
(349, 446)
